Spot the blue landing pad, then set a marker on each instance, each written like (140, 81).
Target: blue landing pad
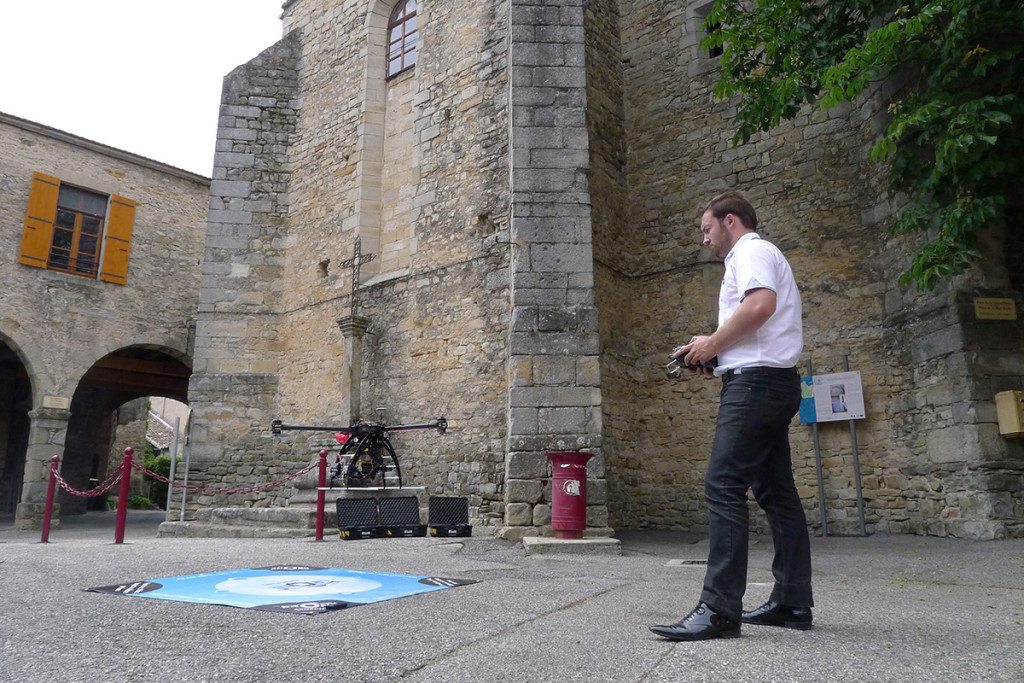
(284, 588)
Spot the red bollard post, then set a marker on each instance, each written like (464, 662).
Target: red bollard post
(50, 487)
(122, 495)
(320, 494)
(569, 493)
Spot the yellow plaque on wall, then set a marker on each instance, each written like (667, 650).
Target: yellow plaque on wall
(995, 309)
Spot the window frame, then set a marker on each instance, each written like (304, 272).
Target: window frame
(701, 61)
(73, 253)
(399, 18)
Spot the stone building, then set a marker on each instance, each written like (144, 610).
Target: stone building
(101, 280)
(526, 175)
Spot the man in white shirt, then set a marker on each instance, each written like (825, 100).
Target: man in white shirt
(757, 344)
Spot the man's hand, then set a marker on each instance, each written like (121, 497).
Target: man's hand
(695, 353)
(757, 307)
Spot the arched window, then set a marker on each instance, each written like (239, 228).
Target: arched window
(402, 37)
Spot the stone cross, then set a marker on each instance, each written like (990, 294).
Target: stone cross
(353, 327)
(356, 263)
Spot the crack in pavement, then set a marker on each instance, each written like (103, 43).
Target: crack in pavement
(464, 646)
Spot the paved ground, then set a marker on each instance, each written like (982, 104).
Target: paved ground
(889, 609)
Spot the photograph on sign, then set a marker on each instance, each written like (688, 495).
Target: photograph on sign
(838, 396)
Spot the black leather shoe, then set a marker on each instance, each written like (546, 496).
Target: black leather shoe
(703, 623)
(774, 614)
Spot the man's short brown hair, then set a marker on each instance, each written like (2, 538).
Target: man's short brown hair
(735, 203)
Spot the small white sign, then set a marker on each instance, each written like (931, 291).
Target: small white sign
(838, 396)
(59, 402)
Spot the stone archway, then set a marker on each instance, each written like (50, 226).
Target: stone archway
(113, 383)
(15, 406)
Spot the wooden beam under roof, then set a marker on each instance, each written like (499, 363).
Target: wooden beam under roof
(145, 384)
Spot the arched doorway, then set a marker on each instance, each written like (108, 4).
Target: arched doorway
(107, 394)
(15, 404)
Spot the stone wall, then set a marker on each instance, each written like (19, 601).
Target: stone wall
(435, 342)
(402, 176)
(436, 346)
(823, 203)
(544, 164)
(616, 245)
(239, 342)
(64, 323)
(129, 424)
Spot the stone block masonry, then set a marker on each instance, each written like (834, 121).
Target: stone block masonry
(437, 312)
(929, 458)
(233, 387)
(554, 394)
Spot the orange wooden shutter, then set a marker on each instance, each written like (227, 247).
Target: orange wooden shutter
(42, 210)
(118, 240)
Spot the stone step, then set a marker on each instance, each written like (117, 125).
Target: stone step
(297, 517)
(207, 530)
(296, 520)
(308, 496)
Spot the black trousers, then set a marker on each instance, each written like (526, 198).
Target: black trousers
(751, 451)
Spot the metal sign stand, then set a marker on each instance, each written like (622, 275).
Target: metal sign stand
(856, 464)
(856, 461)
(817, 463)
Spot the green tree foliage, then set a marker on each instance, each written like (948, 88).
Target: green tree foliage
(954, 140)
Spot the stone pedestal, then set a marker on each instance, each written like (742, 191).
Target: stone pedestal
(46, 439)
(353, 327)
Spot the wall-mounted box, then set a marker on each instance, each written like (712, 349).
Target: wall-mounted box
(1010, 410)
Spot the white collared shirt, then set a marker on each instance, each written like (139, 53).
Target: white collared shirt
(754, 263)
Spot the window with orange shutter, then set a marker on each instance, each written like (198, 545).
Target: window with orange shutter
(70, 229)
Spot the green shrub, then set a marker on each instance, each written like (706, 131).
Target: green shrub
(139, 502)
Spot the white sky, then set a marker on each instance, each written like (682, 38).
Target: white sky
(141, 75)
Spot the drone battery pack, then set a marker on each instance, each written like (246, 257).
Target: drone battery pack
(451, 530)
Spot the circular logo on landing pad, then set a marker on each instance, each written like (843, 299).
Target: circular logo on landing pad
(292, 585)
